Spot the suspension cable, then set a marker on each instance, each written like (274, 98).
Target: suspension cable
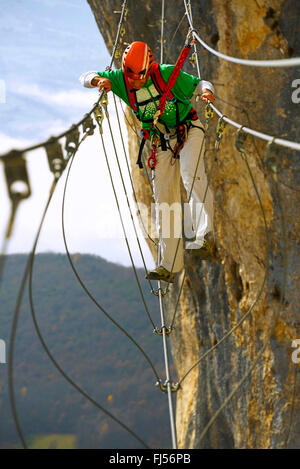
(138, 139)
(279, 141)
(189, 198)
(14, 329)
(162, 40)
(293, 62)
(86, 289)
(168, 383)
(87, 116)
(56, 364)
(174, 34)
(189, 6)
(263, 136)
(133, 190)
(267, 257)
(275, 318)
(120, 213)
(88, 292)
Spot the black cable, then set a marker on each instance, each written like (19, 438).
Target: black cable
(84, 286)
(240, 322)
(275, 318)
(132, 186)
(15, 324)
(121, 218)
(56, 364)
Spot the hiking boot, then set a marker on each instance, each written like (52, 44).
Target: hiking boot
(160, 273)
(206, 251)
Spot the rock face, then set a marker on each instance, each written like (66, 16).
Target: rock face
(257, 218)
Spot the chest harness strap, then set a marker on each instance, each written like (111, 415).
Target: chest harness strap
(165, 92)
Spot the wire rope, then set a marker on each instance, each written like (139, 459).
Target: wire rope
(14, 330)
(263, 136)
(255, 133)
(133, 191)
(120, 213)
(86, 289)
(56, 364)
(275, 318)
(87, 116)
(240, 322)
(162, 40)
(292, 62)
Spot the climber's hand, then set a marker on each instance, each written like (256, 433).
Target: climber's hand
(102, 83)
(207, 96)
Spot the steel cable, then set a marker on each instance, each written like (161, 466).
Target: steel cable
(56, 364)
(133, 191)
(87, 116)
(120, 213)
(240, 322)
(14, 328)
(275, 318)
(293, 62)
(263, 136)
(86, 289)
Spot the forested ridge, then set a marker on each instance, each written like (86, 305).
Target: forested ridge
(92, 351)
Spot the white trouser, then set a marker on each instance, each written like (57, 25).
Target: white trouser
(167, 195)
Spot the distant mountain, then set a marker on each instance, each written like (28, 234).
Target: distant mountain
(89, 348)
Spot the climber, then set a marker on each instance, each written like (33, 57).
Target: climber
(178, 133)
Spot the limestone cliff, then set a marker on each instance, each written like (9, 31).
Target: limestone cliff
(264, 412)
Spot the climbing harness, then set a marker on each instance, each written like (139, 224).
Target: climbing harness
(182, 135)
(164, 94)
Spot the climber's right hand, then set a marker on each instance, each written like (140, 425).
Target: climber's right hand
(102, 83)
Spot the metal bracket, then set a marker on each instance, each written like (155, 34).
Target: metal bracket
(156, 292)
(209, 113)
(117, 54)
(56, 160)
(72, 141)
(99, 116)
(168, 330)
(88, 125)
(221, 127)
(272, 156)
(17, 182)
(16, 174)
(104, 100)
(240, 139)
(164, 386)
(193, 59)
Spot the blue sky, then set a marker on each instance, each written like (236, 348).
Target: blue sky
(44, 47)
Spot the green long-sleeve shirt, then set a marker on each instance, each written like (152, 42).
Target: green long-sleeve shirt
(183, 90)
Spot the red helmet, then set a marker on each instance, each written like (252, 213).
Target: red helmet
(137, 61)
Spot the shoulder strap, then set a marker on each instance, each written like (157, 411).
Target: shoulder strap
(131, 95)
(158, 80)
